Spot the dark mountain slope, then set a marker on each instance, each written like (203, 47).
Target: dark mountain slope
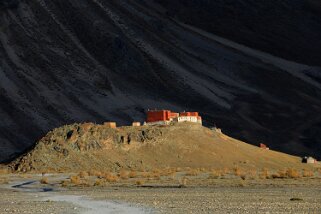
(88, 60)
(287, 28)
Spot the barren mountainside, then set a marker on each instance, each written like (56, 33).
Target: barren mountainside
(249, 67)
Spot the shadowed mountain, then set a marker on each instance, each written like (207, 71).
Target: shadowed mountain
(93, 60)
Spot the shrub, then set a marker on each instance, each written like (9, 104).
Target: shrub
(145, 175)
(215, 174)
(168, 172)
(264, 174)
(307, 173)
(193, 172)
(183, 182)
(111, 178)
(226, 171)
(123, 174)
(64, 183)
(139, 182)
(95, 173)
(157, 171)
(178, 169)
(280, 174)
(252, 174)
(44, 180)
(242, 184)
(202, 169)
(132, 174)
(83, 174)
(292, 173)
(237, 171)
(99, 182)
(156, 176)
(75, 180)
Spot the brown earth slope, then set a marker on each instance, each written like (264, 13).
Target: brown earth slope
(88, 146)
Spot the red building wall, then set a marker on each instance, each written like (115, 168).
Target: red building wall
(154, 116)
(174, 115)
(186, 114)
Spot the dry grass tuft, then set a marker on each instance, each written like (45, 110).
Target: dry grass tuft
(95, 173)
(242, 184)
(145, 175)
(307, 173)
(215, 174)
(178, 169)
(99, 182)
(280, 174)
(132, 174)
(264, 174)
(44, 180)
(123, 174)
(193, 172)
(111, 178)
(156, 171)
(202, 169)
(183, 182)
(252, 174)
(168, 172)
(75, 180)
(293, 173)
(64, 183)
(83, 174)
(155, 175)
(139, 182)
(237, 171)
(240, 173)
(226, 171)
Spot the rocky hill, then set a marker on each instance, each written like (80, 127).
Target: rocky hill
(71, 61)
(88, 146)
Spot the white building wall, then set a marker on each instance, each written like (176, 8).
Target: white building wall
(180, 119)
(192, 119)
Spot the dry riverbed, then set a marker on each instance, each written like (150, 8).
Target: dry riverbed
(26, 194)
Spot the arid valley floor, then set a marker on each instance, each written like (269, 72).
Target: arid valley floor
(163, 191)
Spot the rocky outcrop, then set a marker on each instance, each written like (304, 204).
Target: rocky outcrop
(77, 147)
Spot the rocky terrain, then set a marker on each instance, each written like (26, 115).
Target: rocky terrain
(71, 61)
(191, 200)
(27, 194)
(85, 147)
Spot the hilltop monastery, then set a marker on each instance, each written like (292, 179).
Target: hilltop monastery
(165, 117)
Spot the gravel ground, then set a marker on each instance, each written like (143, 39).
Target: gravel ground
(32, 203)
(225, 196)
(221, 199)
